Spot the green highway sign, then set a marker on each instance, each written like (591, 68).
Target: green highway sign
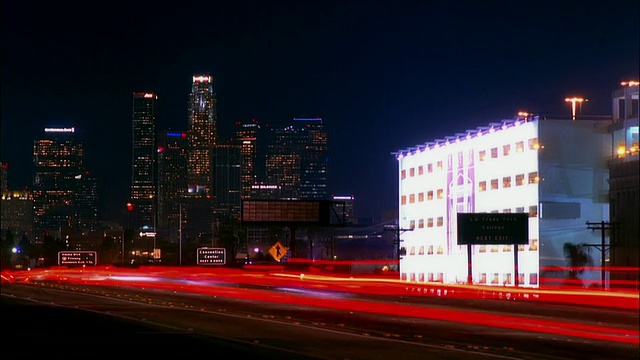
(493, 229)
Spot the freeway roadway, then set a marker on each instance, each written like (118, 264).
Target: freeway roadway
(290, 322)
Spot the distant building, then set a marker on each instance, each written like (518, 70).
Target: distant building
(553, 170)
(172, 181)
(348, 214)
(263, 191)
(87, 199)
(315, 160)
(4, 172)
(227, 180)
(16, 213)
(297, 160)
(624, 183)
(249, 138)
(59, 160)
(143, 170)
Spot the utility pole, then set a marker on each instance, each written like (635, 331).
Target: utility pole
(398, 230)
(603, 247)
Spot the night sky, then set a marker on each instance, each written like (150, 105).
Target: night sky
(384, 75)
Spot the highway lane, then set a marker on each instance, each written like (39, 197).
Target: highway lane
(302, 331)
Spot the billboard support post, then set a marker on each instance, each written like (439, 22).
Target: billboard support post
(469, 266)
(516, 275)
(493, 229)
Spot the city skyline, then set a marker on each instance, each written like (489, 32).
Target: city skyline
(383, 76)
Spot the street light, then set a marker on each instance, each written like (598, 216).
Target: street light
(129, 210)
(630, 83)
(573, 102)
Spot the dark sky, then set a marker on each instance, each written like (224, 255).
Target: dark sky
(384, 75)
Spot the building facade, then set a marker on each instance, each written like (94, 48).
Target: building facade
(553, 170)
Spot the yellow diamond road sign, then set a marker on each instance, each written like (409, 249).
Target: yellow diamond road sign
(278, 251)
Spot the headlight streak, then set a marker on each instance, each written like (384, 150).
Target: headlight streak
(296, 290)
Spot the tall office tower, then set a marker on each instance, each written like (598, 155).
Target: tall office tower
(248, 138)
(143, 184)
(58, 158)
(172, 180)
(87, 202)
(297, 159)
(228, 175)
(4, 172)
(201, 134)
(314, 161)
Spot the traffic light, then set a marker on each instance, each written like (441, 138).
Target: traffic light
(129, 206)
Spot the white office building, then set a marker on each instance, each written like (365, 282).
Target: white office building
(554, 170)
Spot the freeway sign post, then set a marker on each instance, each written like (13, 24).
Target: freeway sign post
(77, 258)
(211, 256)
(493, 229)
(278, 251)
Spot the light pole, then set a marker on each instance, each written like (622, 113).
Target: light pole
(154, 213)
(180, 235)
(397, 229)
(603, 247)
(122, 241)
(129, 210)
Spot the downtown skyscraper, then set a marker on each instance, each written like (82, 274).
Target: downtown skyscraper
(144, 156)
(201, 135)
(201, 142)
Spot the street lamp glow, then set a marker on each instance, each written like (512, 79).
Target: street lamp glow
(630, 83)
(574, 101)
